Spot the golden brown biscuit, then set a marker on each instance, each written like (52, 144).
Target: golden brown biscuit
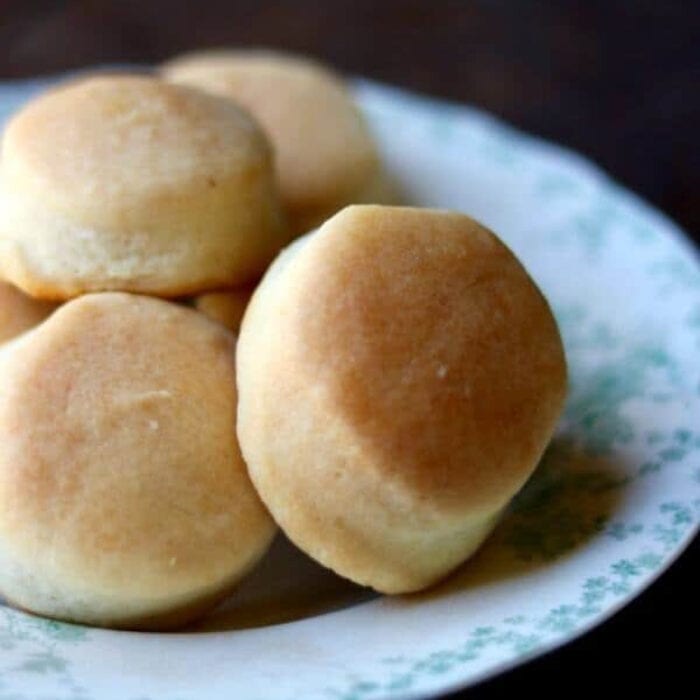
(399, 377)
(19, 313)
(226, 307)
(129, 183)
(124, 500)
(325, 155)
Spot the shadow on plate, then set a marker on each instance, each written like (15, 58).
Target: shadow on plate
(286, 586)
(569, 500)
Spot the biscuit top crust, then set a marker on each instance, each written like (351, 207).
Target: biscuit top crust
(426, 334)
(323, 149)
(120, 467)
(118, 149)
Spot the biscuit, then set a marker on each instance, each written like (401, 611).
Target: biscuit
(19, 313)
(325, 155)
(124, 500)
(226, 307)
(399, 377)
(129, 183)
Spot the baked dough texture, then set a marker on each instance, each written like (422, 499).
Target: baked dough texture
(225, 307)
(19, 313)
(128, 183)
(399, 377)
(124, 500)
(325, 155)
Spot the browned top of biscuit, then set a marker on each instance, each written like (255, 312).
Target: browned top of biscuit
(114, 149)
(323, 148)
(427, 335)
(120, 468)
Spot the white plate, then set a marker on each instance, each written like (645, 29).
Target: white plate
(616, 499)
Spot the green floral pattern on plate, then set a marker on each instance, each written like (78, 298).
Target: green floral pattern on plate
(520, 635)
(614, 500)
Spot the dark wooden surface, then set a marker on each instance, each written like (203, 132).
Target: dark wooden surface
(618, 80)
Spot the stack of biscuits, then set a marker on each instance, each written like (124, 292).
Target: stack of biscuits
(182, 371)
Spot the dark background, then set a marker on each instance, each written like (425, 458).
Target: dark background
(618, 81)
